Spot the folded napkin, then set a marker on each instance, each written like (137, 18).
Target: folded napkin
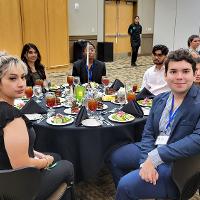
(82, 114)
(144, 93)
(33, 107)
(117, 84)
(133, 108)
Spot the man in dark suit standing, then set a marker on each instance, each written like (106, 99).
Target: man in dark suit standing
(95, 70)
(135, 31)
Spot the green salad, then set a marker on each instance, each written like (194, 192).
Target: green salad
(122, 116)
(60, 119)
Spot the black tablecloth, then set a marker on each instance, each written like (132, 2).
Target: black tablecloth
(86, 147)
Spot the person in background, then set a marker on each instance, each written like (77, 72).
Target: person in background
(153, 78)
(17, 135)
(135, 31)
(96, 68)
(143, 170)
(193, 44)
(31, 56)
(197, 72)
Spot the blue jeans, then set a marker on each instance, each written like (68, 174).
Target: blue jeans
(124, 164)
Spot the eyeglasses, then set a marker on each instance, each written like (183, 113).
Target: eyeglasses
(158, 54)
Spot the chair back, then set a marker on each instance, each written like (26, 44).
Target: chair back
(186, 175)
(19, 184)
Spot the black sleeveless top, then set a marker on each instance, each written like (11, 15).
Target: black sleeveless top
(7, 114)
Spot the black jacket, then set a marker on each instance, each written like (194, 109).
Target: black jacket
(134, 31)
(98, 70)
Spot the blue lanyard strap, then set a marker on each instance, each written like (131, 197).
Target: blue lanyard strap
(171, 113)
(90, 72)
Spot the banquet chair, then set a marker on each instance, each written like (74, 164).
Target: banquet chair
(19, 184)
(186, 175)
(23, 184)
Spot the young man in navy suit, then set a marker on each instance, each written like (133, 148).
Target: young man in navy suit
(172, 131)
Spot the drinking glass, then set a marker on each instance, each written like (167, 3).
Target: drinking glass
(79, 93)
(131, 96)
(39, 82)
(50, 99)
(70, 80)
(76, 80)
(37, 91)
(28, 92)
(121, 97)
(92, 106)
(134, 89)
(46, 85)
(105, 81)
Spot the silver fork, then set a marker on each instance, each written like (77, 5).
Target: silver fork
(103, 120)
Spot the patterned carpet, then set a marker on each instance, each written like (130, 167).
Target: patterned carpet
(102, 187)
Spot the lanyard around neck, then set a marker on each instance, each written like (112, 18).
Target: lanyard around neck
(172, 113)
(90, 72)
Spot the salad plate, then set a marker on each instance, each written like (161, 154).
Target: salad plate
(121, 117)
(59, 120)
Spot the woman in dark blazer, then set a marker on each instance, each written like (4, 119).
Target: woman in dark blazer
(96, 68)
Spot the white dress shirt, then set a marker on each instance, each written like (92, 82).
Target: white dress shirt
(154, 81)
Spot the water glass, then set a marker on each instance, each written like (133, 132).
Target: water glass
(37, 91)
(76, 80)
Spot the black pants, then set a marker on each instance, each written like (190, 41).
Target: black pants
(134, 54)
(63, 172)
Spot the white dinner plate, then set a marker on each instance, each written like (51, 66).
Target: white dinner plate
(104, 107)
(91, 122)
(68, 111)
(34, 116)
(59, 124)
(110, 117)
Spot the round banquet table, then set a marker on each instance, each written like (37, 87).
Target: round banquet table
(86, 147)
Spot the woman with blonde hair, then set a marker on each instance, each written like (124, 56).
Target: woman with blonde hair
(17, 135)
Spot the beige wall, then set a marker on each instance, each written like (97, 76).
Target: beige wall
(43, 22)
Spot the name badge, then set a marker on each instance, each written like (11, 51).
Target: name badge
(161, 139)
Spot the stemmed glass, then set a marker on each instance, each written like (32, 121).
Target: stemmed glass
(46, 85)
(121, 97)
(134, 89)
(105, 81)
(28, 92)
(37, 91)
(50, 98)
(131, 96)
(92, 106)
(76, 80)
(70, 80)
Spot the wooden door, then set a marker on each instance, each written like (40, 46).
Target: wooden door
(10, 31)
(118, 17)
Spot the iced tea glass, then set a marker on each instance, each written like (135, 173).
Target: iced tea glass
(39, 82)
(131, 96)
(50, 99)
(92, 106)
(28, 92)
(70, 80)
(105, 81)
(134, 88)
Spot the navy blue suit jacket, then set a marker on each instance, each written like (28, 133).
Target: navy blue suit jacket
(98, 70)
(184, 140)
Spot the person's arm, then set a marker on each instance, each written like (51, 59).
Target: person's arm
(104, 70)
(16, 142)
(144, 81)
(130, 30)
(74, 71)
